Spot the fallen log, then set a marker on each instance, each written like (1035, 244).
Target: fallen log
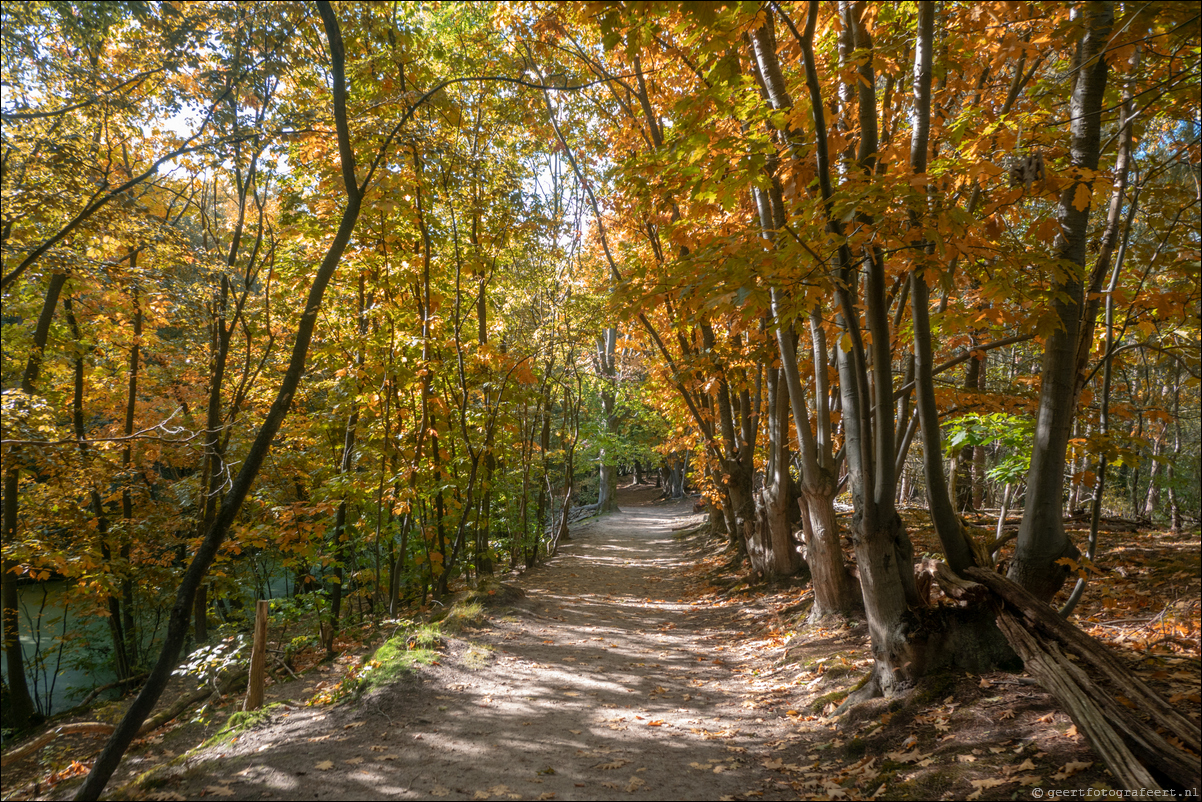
(1106, 701)
(99, 727)
(87, 700)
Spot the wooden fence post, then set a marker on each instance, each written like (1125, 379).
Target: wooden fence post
(258, 657)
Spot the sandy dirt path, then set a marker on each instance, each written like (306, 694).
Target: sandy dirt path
(607, 682)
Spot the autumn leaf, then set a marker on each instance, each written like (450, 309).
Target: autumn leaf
(1081, 196)
(219, 790)
(324, 765)
(1071, 768)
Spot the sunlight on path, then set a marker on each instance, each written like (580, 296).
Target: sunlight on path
(607, 682)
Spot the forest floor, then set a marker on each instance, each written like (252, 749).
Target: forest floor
(634, 665)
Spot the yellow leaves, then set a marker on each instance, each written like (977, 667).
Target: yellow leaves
(911, 757)
(982, 785)
(324, 765)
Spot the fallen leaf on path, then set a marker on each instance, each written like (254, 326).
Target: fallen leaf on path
(907, 757)
(634, 784)
(966, 758)
(324, 765)
(547, 795)
(614, 786)
(614, 764)
(219, 790)
(354, 761)
(575, 732)
(656, 723)
(1070, 768)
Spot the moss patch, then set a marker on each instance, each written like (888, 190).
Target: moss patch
(396, 658)
(819, 704)
(240, 721)
(463, 615)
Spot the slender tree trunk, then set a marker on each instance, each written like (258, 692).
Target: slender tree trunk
(121, 666)
(1041, 537)
(346, 462)
(127, 505)
(178, 624)
(20, 708)
(607, 493)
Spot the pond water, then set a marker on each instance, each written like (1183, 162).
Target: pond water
(60, 671)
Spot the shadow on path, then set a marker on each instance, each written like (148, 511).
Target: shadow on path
(607, 682)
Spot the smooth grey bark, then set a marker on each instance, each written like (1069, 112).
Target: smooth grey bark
(1109, 237)
(833, 591)
(607, 492)
(1041, 536)
(955, 543)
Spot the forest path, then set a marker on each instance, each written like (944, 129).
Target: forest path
(609, 681)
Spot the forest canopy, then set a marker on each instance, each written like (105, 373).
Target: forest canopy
(355, 302)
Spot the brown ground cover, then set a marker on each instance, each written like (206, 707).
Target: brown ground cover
(637, 666)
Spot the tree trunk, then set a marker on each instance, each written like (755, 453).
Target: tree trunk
(20, 709)
(121, 666)
(127, 505)
(607, 492)
(178, 624)
(1041, 538)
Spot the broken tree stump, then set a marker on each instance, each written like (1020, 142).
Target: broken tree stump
(258, 657)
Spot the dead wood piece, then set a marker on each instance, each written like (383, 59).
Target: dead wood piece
(953, 586)
(1047, 622)
(1004, 539)
(152, 724)
(1049, 669)
(87, 700)
(80, 728)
